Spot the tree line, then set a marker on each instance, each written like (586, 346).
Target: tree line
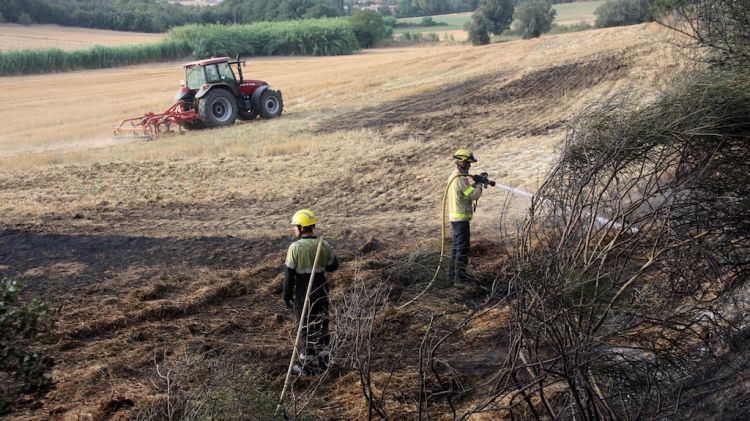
(160, 16)
(531, 18)
(122, 15)
(412, 8)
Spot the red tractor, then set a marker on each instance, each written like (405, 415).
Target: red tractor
(213, 94)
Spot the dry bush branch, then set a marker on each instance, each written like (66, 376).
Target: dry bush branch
(358, 318)
(721, 25)
(634, 245)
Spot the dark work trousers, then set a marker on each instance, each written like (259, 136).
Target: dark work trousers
(315, 337)
(460, 252)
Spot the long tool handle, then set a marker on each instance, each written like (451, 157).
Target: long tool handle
(302, 318)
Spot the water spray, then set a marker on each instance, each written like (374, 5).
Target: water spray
(482, 178)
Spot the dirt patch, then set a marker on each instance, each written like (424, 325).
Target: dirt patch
(487, 106)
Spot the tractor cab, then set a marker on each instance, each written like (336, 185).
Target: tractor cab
(200, 73)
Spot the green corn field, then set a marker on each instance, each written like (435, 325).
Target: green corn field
(50, 60)
(305, 37)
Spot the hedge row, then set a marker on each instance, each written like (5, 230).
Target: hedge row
(24, 62)
(305, 37)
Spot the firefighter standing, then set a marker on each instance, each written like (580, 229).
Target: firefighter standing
(298, 268)
(463, 194)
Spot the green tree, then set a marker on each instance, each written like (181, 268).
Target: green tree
(533, 18)
(405, 8)
(432, 6)
(368, 27)
(492, 17)
(623, 12)
(24, 19)
(320, 11)
(499, 14)
(477, 28)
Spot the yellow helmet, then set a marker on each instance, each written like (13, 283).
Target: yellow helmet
(463, 155)
(304, 217)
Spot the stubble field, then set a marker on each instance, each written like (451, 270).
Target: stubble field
(20, 37)
(177, 244)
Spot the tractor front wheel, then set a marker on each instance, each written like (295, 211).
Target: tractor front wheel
(248, 114)
(271, 104)
(218, 108)
(193, 125)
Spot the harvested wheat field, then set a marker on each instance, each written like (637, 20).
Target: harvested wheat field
(20, 37)
(159, 250)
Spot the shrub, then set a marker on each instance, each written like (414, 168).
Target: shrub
(418, 37)
(623, 12)
(389, 21)
(320, 11)
(427, 21)
(563, 29)
(2, 18)
(24, 19)
(368, 27)
(212, 386)
(477, 28)
(533, 18)
(22, 369)
(665, 186)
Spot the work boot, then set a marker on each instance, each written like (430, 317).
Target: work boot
(460, 277)
(323, 360)
(300, 370)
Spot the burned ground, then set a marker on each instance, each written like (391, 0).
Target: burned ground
(488, 106)
(149, 268)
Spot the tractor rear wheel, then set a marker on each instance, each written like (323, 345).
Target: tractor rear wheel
(271, 104)
(218, 108)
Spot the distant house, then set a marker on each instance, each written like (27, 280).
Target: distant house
(375, 5)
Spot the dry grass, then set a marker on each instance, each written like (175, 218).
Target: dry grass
(21, 37)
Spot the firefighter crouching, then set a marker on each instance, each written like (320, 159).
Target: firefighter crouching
(298, 267)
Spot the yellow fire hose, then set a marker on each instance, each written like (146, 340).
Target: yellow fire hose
(442, 242)
(302, 323)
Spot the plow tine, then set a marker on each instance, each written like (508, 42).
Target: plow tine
(151, 125)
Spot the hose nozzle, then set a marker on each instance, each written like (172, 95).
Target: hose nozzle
(483, 180)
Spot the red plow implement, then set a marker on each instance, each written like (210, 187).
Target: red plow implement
(151, 125)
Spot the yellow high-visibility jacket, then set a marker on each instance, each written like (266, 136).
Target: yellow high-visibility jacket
(301, 255)
(461, 197)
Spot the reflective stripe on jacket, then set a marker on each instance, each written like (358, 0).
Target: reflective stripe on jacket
(461, 197)
(301, 255)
